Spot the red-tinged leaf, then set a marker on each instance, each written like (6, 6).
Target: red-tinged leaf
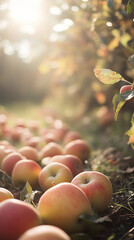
(108, 76)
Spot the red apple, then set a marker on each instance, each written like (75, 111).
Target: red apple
(72, 162)
(53, 174)
(47, 232)
(4, 151)
(62, 206)
(125, 88)
(16, 217)
(51, 149)
(26, 170)
(79, 148)
(97, 187)
(5, 194)
(71, 136)
(29, 153)
(9, 162)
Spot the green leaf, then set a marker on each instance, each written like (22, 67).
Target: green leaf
(130, 7)
(26, 190)
(130, 132)
(120, 99)
(108, 76)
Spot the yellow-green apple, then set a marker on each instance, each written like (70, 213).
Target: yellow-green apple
(16, 217)
(47, 232)
(51, 149)
(79, 148)
(97, 187)
(29, 153)
(26, 170)
(53, 174)
(5, 194)
(125, 88)
(71, 161)
(9, 162)
(71, 136)
(62, 206)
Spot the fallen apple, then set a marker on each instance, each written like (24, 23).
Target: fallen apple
(71, 161)
(53, 174)
(62, 206)
(43, 232)
(5, 194)
(79, 148)
(26, 170)
(97, 187)
(16, 217)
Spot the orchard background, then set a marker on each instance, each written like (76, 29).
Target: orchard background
(47, 61)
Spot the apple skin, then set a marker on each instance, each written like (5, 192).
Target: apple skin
(62, 205)
(9, 162)
(4, 151)
(97, 187)
(125, 88)
(26, 170)
(71, 136)
(16, 217)
(79, 148)
(45, 232)
(53, 174)
(71, 161)
(51, 149)
(5, 194)
(29, 153)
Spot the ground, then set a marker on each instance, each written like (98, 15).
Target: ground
(111, 155)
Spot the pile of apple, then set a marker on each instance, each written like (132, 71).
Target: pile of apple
(52, 161)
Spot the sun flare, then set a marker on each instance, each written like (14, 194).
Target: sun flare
(25, 11)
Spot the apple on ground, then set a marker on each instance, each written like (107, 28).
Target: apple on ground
(71, 136)
(5, 194)
(51, 149)
(79, 148)
(26, 170)
(4, 151)
(29, 153)
(71, 161)
(9, 162)
(62, 206)
(16, 217)
(45, 232)
(53, 174)
(97, 187)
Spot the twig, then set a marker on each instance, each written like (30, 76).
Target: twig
(126, 234)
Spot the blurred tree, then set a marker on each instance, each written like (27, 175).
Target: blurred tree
(57, 55)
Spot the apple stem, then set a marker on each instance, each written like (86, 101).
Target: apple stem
(85, 180)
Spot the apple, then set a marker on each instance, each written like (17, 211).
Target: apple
(79, 148)
(29, 153)
(62, 206)
(9, 162)
(125, 88)
(45, 232)
(4, 151)
(34, 142)
(5, 194)
(70, 136)
(26, 170)
(71, 161)
(53, 174)
(97, 187)
(16, 217)
(51, 149)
